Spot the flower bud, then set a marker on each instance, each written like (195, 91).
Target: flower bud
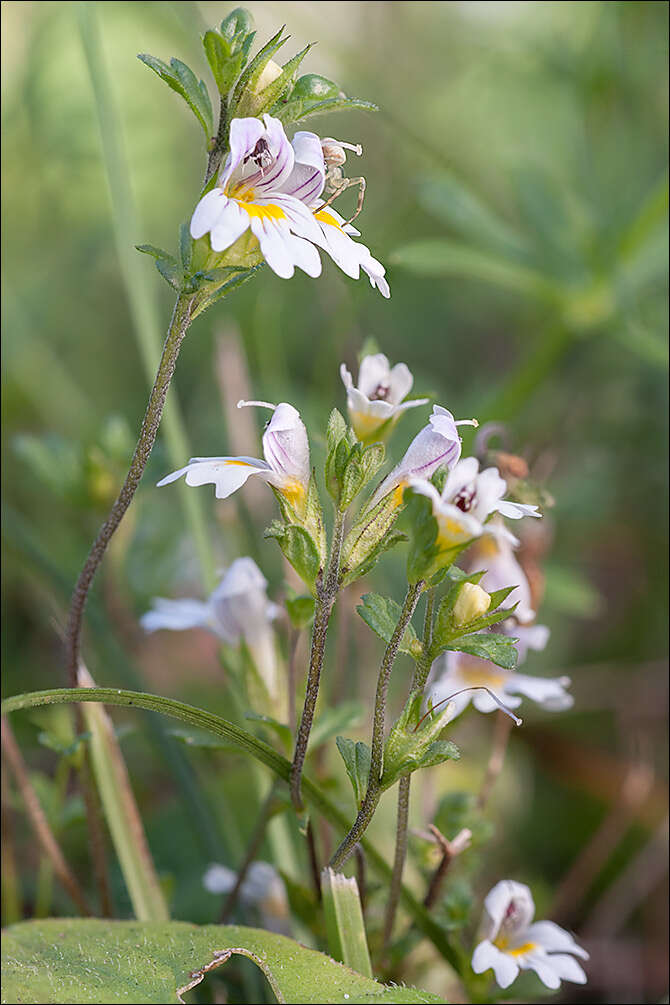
(270, 73)
(471, 603)
(313, 87)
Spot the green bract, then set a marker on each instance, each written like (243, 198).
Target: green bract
(414, 743)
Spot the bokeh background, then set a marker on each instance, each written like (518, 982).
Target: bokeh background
(517, 192)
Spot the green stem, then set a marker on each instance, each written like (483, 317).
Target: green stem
(263, 752)
(179, 324)
(142, 303)
(373, 792)
(326, 592)
(418, 683)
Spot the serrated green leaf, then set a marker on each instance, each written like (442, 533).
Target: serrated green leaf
(413, 741)
(336, 429)
(252, 73)
(171, 272)
(237, 24)
(181, 79)
(362, 465)
(151, 249)
(387, 542)
(276, 90)
(299, 549)
(356, 757)
(382, 614)
(366, 535)
(499, 649)
(103, 961)
(185, 246)
(298, 110)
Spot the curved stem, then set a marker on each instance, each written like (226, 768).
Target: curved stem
(373, 792)
(265, 754)
(420, 676)
(325, 599)
(181, 318)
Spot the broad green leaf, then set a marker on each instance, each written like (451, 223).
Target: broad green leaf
(356, 757)
(440, 257)
(382, 614)
(265, 754)
(345, 927)
(93, 961)
(499, 649)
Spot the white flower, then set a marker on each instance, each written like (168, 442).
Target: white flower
(286, 465)
(378, 402)
(262, 888)
(436, 445)
(495, 552)
(273, 187)
(238, 609)
(468, 498)
(512, 942)
(454, 672)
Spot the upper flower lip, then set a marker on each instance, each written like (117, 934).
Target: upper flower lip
(273, 188)
(513, 942)
(437, 444)
(378, 399)
(286, 464)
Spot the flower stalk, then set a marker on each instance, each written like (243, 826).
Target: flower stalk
(181, 319)
(374, 789)
(421, 672)
(326, 592)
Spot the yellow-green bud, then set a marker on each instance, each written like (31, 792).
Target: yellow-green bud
(270, 73)
(471, 603)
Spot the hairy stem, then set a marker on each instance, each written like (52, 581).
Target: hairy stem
(421, 672)
(373, 792)
(326, 592)
(181, 319)
(219, 143)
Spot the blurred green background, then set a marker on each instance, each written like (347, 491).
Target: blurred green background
(517, 192)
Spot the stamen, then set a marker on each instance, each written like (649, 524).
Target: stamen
(257, 404)
(476, 687)
(467, 422)
(355, 147)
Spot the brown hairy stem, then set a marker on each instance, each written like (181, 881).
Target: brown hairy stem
(179, 324)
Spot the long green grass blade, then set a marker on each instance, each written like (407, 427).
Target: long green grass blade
(249, 744)
(122, 815)
(345, 927)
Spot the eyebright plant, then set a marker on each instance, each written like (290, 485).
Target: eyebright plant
(267, 199)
